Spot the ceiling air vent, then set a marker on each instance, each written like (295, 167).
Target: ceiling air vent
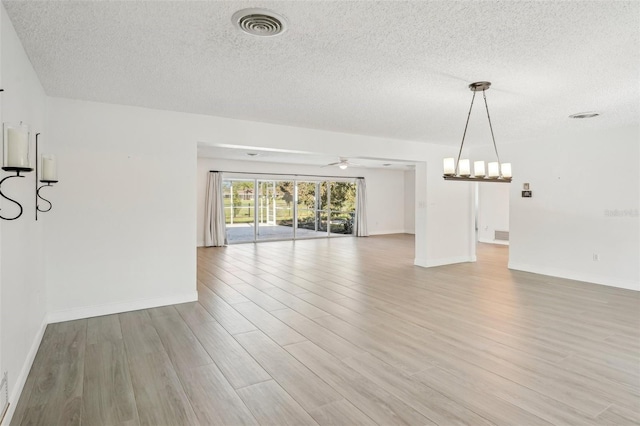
(584, 115)
(259, 22)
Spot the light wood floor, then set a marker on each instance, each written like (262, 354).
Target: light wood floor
(347, 331)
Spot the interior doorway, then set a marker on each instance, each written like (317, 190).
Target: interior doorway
(492, 214)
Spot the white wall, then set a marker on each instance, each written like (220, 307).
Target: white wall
(385, 199)
(22, 284)
(493, 211)
(576, 181)
(121, 232)
(124, 222)
(449, 209)
(410, 201)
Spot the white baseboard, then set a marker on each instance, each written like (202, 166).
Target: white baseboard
(502, 243)
(24, 373)
(116, 308)
(577, 276)
(428, 263)
(387, 232)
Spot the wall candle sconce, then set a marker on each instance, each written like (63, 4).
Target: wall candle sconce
(48, 176)
(15, 149)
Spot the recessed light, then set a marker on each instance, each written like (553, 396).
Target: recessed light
(589, 114)
(386, 164)
(252, 154)
(259, 22)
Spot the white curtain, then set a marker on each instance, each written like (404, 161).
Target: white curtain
(361, 209)
(214, 227)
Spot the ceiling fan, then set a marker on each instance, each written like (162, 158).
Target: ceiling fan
(343, 163)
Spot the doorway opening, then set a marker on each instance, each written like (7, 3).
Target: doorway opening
(491, 219)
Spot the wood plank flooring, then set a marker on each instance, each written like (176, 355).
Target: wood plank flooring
(347, 331)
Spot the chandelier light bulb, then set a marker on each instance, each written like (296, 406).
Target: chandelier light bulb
(464, 168)
(478, 169)
(449, 165)
(506, 170)
(494, 170)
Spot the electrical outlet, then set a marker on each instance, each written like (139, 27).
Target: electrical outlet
(596, 257)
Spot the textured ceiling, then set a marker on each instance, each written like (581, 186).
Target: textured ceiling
(391, 69)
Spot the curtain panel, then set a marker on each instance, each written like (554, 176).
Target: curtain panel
(215, 234)
(361, 209)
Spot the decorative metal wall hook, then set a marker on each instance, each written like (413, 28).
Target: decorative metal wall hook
(10, 199)
(48, 179)
(38, 209)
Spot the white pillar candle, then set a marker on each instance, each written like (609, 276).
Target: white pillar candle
(464, 168)
(506, 170)
(449, 166)
(494, 170)
(49, 170)
(17, 148)
(478, 169)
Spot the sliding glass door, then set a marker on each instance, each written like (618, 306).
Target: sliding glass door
(263, 209)
(342, 209)
(275, 211)
(239, 208)
(309, 223)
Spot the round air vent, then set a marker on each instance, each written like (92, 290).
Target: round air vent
(259, 22)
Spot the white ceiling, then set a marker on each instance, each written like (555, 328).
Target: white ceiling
(391, 69)
(322, 162)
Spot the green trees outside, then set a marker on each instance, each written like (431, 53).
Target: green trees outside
(238, 194)
(343, 195)
(286, 189)
(240, 199)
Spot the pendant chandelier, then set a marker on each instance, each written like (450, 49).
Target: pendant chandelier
(461, 169)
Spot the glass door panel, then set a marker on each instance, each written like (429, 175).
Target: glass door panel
(323, 208)
(307, 203)
(275, 210)
(342, 207)
(239, 209)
